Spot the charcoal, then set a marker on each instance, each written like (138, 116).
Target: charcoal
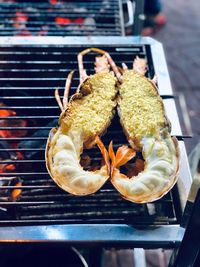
(36, 143)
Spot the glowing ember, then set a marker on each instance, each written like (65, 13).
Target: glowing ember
(15, 193)
(11, 123)
(62, 21)
(20, 16)
(7, 167)
(7, 194)
(54, 2)
(66, 21)
(6, 113)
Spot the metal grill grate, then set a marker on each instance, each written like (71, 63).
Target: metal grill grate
(28, 76)
(61, 18)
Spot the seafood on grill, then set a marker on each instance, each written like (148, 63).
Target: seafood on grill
(143, 119)
(82, 121)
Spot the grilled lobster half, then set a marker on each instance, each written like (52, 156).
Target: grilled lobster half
(82, 121)
(143, 119)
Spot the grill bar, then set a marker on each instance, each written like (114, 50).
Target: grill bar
(75, 33)
(28, 187)
(75, 15)
(27, 107)
(28, 117)
(27, 203)
(179, 137)
(22, 161)
(23, 138)
(46, 97)
(100, 25)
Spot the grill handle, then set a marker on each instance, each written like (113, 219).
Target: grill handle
(131, 11)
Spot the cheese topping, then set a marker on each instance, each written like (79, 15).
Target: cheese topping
(93, 112)
(141, 108)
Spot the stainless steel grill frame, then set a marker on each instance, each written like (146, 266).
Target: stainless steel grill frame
(139, 235)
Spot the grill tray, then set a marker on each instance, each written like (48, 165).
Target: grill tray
(30, 69)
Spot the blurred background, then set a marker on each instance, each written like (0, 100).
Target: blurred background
(180, 38)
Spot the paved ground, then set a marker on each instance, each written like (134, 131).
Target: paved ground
(181, 38)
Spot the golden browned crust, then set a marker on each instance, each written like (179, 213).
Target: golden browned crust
(140, 108)
(90, 111)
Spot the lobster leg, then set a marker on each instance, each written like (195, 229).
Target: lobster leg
(67, 88)
(63, 105)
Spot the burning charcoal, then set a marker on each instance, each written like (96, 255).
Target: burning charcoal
(11, 123)
(41, 19)
(16, 192)
(6, 156)
(20, 20)
(36, 143)
(60, 21)
(55, 2)
(8, 194)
